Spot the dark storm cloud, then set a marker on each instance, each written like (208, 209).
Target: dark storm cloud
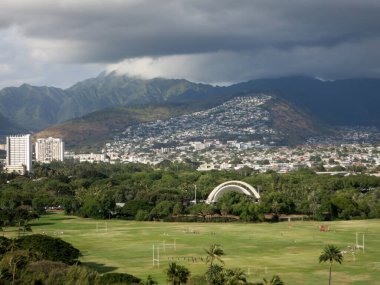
(242, 33)
(114, 30)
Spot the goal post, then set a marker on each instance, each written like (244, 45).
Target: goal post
(156, 256)
(101, 227)
(362, 244)
(169, 245)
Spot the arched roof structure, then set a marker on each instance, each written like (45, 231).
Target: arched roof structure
(234, 186)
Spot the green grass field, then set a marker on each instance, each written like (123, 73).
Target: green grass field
(290, 250)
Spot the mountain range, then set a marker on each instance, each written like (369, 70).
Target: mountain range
(95, 108)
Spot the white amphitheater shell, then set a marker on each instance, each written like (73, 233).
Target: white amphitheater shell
(235, 186)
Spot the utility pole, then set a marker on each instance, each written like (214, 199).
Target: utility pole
(195, 194)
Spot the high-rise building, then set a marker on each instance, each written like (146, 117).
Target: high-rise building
(49, 149)
(19, 153)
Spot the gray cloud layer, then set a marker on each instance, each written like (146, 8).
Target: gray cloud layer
(209, 41)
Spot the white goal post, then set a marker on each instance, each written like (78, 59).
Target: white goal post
(362, 245)
(156, 256)
(101, 227)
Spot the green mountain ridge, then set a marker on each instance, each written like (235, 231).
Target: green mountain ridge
(7, 127)
(340, 102)
(32, 107)
(36, 108)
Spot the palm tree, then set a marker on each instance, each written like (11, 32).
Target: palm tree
(215, 275)
(235, 277)
(331, 253)
(214, 253)
(183, 274)
(149, 281)
(177, 274)
(172, 273)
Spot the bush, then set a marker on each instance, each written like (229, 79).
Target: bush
(142, 215)
(197, 280)
(118, 278)
(131, 208)
(4, 244)
(45, 272)
(80, 275)
(51, 248)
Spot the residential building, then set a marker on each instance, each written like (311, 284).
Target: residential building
(19, 153)
(49, 149)
(90, 157)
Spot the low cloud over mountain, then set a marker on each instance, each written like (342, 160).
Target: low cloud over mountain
(58, 42)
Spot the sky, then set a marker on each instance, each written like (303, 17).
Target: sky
(60, 42)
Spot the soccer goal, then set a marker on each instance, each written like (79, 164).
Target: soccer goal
(169, 245)
(101, 227)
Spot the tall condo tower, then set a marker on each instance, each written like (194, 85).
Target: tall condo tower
(19, 153)
(49, 149)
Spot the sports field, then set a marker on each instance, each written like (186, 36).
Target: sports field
(290, 250)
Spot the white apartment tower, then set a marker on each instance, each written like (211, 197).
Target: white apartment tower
(49, 149)
(19, 153)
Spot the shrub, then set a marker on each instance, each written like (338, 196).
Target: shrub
(118, 278)
(51, 248)
(4, 244)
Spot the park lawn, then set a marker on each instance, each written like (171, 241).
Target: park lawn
(290, 250)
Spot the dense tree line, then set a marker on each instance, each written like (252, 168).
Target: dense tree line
(17, 217)
(166, 191)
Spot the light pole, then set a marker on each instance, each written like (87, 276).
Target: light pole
(195, 194)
